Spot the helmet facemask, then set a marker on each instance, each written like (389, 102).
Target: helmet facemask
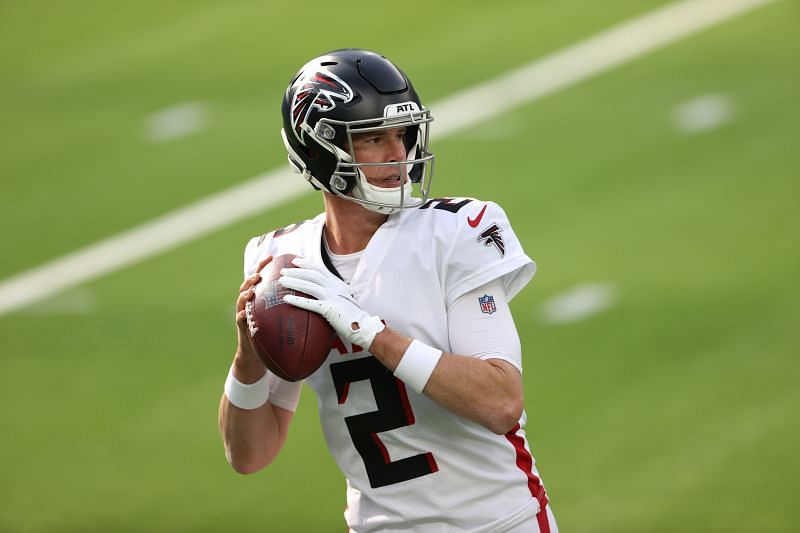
(348, 179)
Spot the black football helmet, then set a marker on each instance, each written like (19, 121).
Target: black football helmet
(350, 91)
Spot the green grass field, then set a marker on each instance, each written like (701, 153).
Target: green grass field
(671, 411)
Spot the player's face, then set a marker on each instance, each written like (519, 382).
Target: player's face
(382, 147)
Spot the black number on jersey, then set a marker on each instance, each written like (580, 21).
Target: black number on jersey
(447, 204)
(393, 412)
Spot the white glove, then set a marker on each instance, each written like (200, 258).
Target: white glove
(333, 301)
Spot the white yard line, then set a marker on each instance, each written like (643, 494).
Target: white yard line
(78, 301)
(703, 113)
(151, 238)
(176, 122)
(618, 45)
(567, 67)
(579, 303)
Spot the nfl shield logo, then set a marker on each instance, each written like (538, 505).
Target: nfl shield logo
(487, 304)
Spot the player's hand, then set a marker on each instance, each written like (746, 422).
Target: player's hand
(334, 301)
(248, 366)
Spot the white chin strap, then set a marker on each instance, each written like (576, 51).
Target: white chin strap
(372, 194)
(386, 195)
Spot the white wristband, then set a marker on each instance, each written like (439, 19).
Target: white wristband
(247, 396)
(417, 364)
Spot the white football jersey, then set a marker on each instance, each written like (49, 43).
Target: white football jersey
(409, 463)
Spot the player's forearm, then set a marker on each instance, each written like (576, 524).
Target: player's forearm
(252, 437)
(487, 392)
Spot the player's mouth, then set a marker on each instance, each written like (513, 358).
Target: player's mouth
(387, 181)
(391, 181)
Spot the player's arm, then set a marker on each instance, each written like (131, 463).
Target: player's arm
(253, 435)
(486, 389)
(482, 381)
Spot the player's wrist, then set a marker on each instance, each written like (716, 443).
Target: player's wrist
(369, 327)
(247, 367)
(246, 395)
(417, 365)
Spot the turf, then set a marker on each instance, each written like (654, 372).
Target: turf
(672, 411)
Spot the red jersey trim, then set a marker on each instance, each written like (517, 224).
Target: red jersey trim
(525, 463)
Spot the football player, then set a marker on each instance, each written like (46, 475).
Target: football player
(421, 397)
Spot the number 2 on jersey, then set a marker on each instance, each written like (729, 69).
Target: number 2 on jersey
(393, 412)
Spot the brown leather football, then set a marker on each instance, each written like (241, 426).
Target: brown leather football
(292, 342)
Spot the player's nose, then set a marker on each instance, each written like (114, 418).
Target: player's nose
(397, 150)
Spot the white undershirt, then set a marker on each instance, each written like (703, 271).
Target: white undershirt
(345, 264)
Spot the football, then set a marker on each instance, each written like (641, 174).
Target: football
(291, 342)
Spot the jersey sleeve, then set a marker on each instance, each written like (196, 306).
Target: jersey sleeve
(251, 256)
(484, 248)
(284, 394)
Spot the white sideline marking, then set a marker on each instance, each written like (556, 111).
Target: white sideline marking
(608, 49)
(579, 303)
(703, 113)
(176, 122)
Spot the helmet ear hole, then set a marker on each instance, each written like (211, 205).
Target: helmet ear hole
(340, 184)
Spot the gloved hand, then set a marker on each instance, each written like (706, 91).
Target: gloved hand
(333, 301)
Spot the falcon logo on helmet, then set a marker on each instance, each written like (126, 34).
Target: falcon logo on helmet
(318, 89)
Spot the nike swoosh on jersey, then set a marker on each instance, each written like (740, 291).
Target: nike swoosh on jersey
(477, 220)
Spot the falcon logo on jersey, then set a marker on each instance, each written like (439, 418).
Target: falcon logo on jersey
(317, 89)
(491, 236)
(487, 304)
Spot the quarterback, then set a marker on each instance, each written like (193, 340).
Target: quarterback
(421, 397)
